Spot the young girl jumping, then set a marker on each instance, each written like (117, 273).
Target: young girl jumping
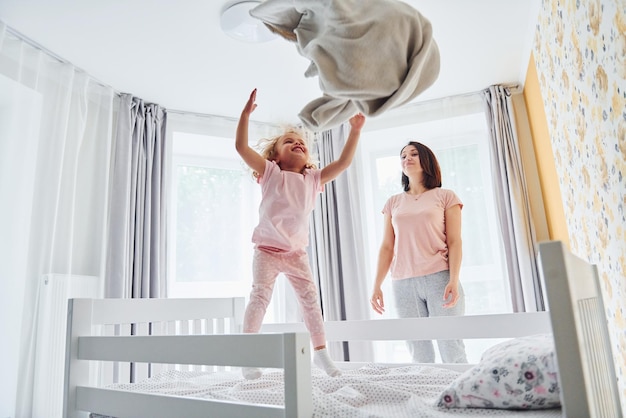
(289, 183)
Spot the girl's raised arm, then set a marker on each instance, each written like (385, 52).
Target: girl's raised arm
(332, 170)
(252, 158)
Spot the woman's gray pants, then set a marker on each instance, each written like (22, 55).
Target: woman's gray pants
(420, 297)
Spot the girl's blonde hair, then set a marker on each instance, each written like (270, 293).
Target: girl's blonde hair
(267, 146)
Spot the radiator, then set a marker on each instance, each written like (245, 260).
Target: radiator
(54, 291)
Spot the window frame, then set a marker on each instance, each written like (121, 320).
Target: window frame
(225, 288)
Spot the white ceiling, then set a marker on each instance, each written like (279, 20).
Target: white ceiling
(174, 53)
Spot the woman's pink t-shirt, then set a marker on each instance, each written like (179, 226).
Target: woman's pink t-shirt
(420, 246)
(287, 200)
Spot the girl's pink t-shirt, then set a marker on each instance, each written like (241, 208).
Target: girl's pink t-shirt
(287, 200)
(420, 246)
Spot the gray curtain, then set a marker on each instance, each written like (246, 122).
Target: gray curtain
(136, 258)
(511, 193)
(336, 248)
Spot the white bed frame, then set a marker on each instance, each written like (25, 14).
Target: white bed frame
(583, 348)
(587, 375)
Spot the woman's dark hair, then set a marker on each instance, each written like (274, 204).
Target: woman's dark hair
(430, 165)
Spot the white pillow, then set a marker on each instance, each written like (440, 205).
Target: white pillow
(517, 374)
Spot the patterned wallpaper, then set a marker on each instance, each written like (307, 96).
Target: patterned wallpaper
(580, 54)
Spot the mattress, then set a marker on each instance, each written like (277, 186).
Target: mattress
(369, 391)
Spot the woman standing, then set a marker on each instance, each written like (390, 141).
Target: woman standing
(422, 250)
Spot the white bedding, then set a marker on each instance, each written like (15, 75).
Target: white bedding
(370, 391)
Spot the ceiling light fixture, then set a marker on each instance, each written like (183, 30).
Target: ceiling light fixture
(237, 23)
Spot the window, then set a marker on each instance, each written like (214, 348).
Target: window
(213, 210)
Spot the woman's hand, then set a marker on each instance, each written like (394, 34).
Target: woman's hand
(451, 295)
(377, 301)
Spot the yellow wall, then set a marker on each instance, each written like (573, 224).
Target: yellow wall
(529, 164)
(548, 179)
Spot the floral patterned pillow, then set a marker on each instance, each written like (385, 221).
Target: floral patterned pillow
(517, 374)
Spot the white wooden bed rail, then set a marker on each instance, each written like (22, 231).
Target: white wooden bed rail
(492, 326)
(510, 325)
(290, 351)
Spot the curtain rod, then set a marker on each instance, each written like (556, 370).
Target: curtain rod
(56, 57)
(226, 119)
(36, 45)
(202, 115)
(514, 87)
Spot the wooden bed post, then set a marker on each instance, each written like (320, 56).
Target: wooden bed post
(297, 371)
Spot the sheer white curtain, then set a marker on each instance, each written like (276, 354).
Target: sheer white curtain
(55, 146)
